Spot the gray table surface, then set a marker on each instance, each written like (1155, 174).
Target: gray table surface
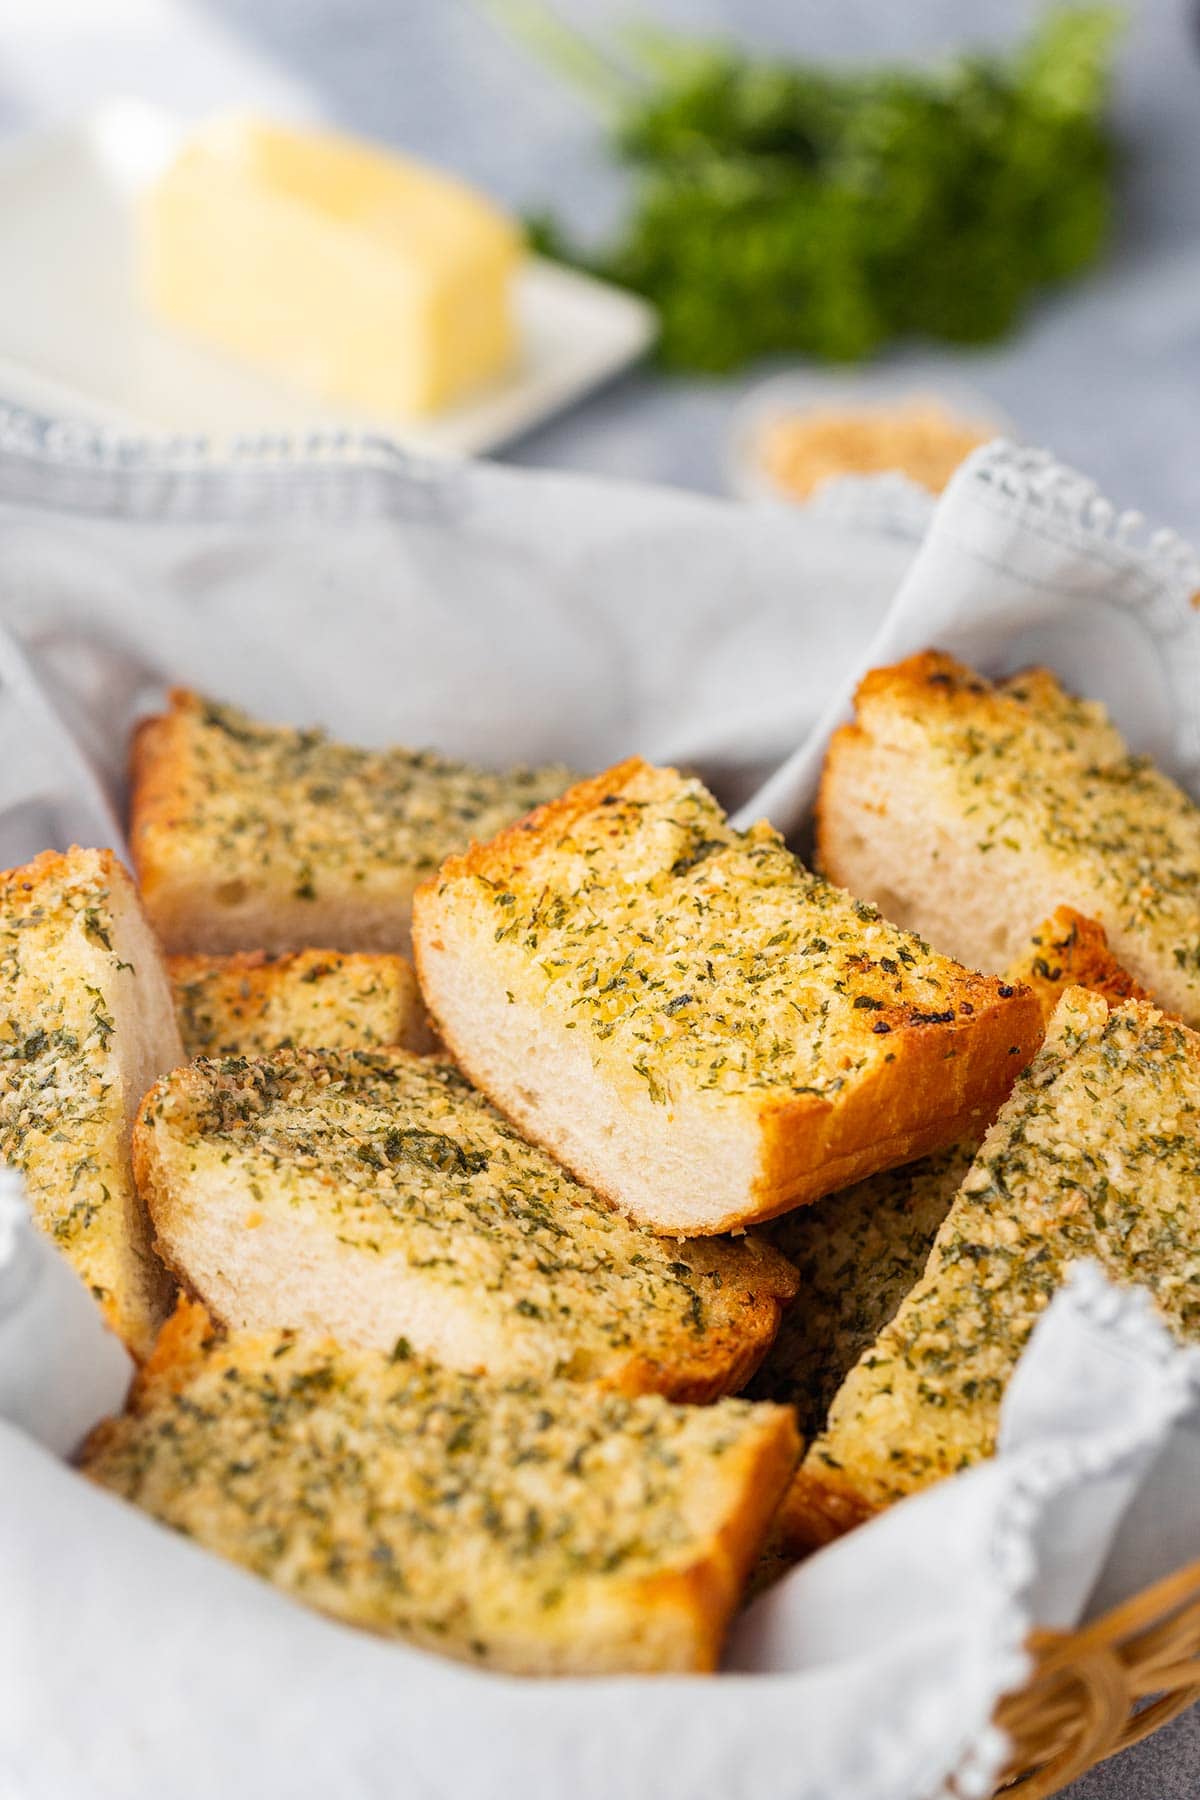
(1107, 374)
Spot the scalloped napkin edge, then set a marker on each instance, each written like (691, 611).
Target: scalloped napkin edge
(1016, 535)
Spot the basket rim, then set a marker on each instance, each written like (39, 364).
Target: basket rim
(1098, 1689)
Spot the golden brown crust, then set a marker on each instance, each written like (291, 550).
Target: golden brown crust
(52, 865)
(712, 1588)
(178, 1346)
(723, 1360)
(1069, 950)
(146, 1178)
(158, 788)
(509, 849)
(815, 1146)
(842, 745)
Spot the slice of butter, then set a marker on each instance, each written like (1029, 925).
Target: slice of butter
(375, 283)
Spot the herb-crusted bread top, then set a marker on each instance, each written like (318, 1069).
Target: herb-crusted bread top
(704, 975)
(856, 1254)
(967, 808)
(86, 1026)
(293, 838)
(859, 1253)
(377, 1196)
(250, 1004)
(712, 956)
(539, 1528)
(1096, 1154)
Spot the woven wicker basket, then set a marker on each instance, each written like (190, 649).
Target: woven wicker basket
(1096, 1691)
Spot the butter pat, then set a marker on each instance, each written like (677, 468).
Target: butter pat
(373, 282)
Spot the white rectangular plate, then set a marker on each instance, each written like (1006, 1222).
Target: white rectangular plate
(75, 341)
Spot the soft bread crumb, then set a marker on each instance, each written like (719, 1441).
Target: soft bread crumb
(375, 1195)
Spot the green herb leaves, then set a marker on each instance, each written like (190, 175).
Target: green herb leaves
(785, 208)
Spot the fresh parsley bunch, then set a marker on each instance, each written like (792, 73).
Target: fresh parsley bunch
(785, 208)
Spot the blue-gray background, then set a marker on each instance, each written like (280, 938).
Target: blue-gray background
(1106, 373)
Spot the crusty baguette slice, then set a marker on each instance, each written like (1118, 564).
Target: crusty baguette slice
(858, 1252)
(692, 1022)
(543, 1530)
(249, 1004)
(376, 1196)
(964, 809)
(1096, 1154)
(248, 836)
(86, 1026)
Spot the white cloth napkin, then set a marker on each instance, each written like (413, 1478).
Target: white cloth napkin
(501, 615)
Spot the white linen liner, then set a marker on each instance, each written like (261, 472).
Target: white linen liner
(871, 1672)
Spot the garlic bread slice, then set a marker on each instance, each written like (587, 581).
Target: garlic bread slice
(376, 1196)
(540, 1529)
(693, 1022)
(1096, 1154)
(86, 1026)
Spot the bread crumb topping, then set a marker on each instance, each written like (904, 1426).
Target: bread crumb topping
(414, 1500)
(709, 956)
(261, 796)
(1096, 1154)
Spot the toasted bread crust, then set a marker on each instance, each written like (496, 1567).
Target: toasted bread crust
(726, 1357)
(159, 792)
(817, 1509)
(946, 1075)
(713, 1587)
(905, 1111)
